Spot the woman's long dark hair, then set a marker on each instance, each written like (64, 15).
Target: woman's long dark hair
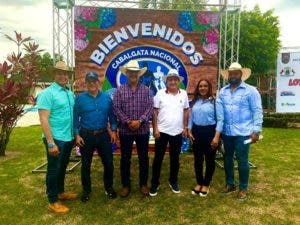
(197, 94)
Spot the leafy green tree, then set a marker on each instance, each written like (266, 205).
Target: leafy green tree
(259, 41)
(173, 4)
(45, 64)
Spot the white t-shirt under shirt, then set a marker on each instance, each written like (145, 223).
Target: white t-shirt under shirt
(170, 111)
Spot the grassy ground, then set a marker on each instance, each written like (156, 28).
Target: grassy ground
(274, 189)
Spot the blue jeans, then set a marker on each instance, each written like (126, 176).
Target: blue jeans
(56, 169)
(142, 144)
(235, 144)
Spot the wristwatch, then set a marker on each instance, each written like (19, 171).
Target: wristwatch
(51, 145)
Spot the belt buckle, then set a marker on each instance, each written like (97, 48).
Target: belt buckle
(95, 132)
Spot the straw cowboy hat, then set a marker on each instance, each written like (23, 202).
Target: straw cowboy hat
(133, 65)
(246, 72)
(172, 73)
(61, 65)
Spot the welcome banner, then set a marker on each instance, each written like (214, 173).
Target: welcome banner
(288, 82)
(106, 39)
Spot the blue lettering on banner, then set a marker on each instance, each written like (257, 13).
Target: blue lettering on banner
(157, 60)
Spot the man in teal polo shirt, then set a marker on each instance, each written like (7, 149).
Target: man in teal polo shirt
(55, 107)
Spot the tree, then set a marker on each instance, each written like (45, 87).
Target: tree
(45, 65)
(259, 41)
(18, 79)
(173, 4)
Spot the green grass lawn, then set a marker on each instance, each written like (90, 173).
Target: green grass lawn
(274, 196)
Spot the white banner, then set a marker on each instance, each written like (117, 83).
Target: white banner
(288, 82)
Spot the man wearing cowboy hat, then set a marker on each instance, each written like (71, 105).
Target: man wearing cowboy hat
(239, 115)
(133, 104)
(92, 112)
(55, 107)
(170, 119)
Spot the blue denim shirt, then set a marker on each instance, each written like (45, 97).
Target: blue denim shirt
(202, 113)
(239, 112)
(92, 113)
(59, 101)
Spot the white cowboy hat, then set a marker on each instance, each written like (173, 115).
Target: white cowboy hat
(61, 65)
(133, 65)
(172, 73)
(246, 72)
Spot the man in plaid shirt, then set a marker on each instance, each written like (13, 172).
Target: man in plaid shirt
(133, 105)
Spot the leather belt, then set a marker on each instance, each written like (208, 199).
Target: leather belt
(93, 132)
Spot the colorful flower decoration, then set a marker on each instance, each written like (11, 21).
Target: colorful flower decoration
(214, 19)
(206, 23)
(185, 21)
(81, 44)
(107, 18)
(208, 18)
(89, 13)
(86, 13)
(80, 31)
(210, 48)
(212, 35)
(91, 17)
(203, 18)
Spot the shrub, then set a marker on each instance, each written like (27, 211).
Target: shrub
(18, 79)
(281, 120)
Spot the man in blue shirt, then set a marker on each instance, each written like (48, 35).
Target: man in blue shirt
(55, 107)
(92, 112)
(239, 115)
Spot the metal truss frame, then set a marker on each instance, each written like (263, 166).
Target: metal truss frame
(63, 28)
(229, 36)
(63, 31)
(74, 162)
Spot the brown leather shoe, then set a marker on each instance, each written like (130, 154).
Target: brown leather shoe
(242, 195)
(229, 188)
(125, 192)
(67, 196)
(144, 190)
(58, 207)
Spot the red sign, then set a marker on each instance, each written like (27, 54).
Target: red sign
(294, 82)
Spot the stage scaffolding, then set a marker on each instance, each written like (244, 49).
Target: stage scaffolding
(63, 28)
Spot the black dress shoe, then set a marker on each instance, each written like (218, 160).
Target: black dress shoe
(110, 192)
(85, 197)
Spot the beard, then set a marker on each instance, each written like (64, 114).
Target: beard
(234, 81)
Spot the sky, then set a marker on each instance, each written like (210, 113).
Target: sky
(34, 18)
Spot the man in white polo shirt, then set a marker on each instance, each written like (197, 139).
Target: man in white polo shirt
(170, 117)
